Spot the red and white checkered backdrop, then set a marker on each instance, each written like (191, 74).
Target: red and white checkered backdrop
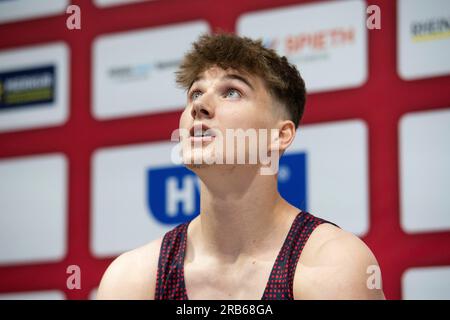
(85, 113)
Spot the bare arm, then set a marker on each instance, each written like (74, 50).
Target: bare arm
(132, 275)
(341, 267)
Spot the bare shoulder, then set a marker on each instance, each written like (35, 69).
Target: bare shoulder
(336, 264)
(132, 275)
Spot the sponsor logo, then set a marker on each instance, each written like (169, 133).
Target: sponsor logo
(173, 195)
(430, 29)
(140, 71)
(423, 38)
(27, 87)
(313, 46)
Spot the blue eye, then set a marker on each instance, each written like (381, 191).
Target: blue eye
(233, 93)
(195, 95)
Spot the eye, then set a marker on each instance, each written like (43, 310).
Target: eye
(195, 94)
(232, 93)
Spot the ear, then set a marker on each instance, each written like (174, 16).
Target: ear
(286, 134)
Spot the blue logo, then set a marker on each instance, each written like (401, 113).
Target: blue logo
(173, 192)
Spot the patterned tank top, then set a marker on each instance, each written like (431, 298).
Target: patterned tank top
(170, 284)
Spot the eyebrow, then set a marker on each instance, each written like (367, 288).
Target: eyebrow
(231, 76)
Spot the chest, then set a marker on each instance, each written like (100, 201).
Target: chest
(246, 280)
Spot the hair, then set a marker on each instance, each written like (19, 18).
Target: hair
(227, 50)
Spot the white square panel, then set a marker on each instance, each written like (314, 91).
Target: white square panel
(108, 3)
(33, 206)
(327, 41)
(34, 295)
(423, 38)
(429, 283)
(134, 71)
(34, 84)
(122, 218)
(16, 10)
(337, 172)
(425, 171)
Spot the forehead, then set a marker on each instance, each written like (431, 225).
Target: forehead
(215, 72)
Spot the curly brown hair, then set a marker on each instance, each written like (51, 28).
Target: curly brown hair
(227, 50)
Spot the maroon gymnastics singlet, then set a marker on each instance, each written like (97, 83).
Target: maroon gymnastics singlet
(170, 276)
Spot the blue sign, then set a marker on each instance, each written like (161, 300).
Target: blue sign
(173, 194)
(292, 179)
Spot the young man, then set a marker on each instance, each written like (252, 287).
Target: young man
(248, 242)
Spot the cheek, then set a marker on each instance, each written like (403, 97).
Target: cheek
(184, 118)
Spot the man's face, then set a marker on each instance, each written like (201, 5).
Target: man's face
(224, 99)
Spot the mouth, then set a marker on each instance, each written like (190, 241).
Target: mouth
(201, 132)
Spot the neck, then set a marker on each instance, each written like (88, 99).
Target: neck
(241, 211)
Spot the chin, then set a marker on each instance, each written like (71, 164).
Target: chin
(199, 159)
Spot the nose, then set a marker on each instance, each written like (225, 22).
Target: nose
(202, 108)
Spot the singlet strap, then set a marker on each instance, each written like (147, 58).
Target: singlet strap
(170, 274)
(281, 281)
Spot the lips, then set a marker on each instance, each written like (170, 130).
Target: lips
(201, 130)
